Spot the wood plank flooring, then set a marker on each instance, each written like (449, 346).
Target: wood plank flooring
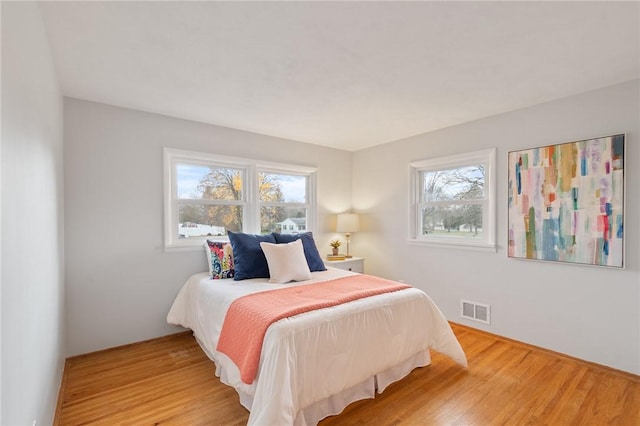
(170, 381)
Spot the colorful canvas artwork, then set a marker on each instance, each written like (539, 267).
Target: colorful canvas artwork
(566, 202)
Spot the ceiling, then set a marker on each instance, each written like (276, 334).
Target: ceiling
(343, 74)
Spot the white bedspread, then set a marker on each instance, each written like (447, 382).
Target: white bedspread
(314, 364)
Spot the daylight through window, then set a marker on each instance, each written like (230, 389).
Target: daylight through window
(453, 200)
(283, 206)
(206, 196)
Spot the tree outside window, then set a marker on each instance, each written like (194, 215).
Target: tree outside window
(208, 195)
(453, 200)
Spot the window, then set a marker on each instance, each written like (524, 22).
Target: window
(283, 202)
(207, 195)
(453, 200)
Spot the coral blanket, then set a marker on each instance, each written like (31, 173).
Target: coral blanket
(248, 317)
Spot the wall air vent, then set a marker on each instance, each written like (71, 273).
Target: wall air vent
(475, 311)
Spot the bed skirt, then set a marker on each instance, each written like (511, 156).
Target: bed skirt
(335, 404)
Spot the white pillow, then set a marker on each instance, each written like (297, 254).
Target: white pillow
(286, 262)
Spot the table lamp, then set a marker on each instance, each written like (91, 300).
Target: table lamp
(348, 223)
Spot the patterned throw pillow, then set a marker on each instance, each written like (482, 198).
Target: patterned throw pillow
(220, 256)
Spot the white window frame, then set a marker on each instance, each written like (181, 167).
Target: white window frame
(250, 202)
(488, 239)
(273, 168)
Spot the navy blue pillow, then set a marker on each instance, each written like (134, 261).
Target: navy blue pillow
(248, 257)
(308, 244)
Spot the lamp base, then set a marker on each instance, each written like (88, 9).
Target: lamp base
(348, 237)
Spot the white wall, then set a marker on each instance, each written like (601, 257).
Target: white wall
(591, 313)
(120, 281)
(32, 221)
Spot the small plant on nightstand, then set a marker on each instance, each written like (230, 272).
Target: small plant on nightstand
(335, 246)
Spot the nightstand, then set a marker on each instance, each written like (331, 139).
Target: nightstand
(355, 264)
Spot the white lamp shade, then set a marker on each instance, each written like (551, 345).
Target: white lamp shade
(348, 222)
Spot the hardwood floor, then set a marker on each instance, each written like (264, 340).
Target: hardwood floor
(169, 381)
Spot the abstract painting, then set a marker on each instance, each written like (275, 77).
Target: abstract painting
(566, 202)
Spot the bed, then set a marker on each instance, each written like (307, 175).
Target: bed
(314, 364)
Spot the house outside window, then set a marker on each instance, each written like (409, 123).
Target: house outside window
(292, 225)
(283, 202)
(208, 195)
(453, 200)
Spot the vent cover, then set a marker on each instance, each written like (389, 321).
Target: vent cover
(475, 311)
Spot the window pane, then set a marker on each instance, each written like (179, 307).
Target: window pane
(208, 183)
(462, 183)
(283, 188)
(284, 220)
(452, 221)
(196, 220)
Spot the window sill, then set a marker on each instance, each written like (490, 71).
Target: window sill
(188, 245)
(462, 245)
(179, 247)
